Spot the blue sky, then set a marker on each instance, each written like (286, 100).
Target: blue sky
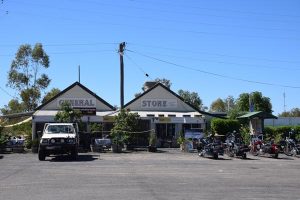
(215, 48)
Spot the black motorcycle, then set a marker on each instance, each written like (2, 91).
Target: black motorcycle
(234, 146)
(210, 147)
(289, 147)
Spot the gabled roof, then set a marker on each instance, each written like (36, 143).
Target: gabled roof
(259, 114)
(173, 93)
(70, 87)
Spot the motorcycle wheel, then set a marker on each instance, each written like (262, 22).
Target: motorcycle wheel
(294, 152)
(244, 156)
(276, 155)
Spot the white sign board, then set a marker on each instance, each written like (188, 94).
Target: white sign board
(159, 103)
(78, 102)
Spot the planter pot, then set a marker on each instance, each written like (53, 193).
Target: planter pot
(128, 147)
(116, 148)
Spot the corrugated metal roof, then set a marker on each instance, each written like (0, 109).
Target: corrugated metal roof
(259, 114)
(162, 114)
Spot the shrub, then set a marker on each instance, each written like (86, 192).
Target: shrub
(224, 126)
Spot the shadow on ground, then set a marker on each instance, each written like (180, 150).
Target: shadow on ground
(80, 158)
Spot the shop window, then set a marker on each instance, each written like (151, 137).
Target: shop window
(186, 115)
(161, 115)
(171, 115)
(150, 115)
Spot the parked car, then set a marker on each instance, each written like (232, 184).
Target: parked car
(59, 138)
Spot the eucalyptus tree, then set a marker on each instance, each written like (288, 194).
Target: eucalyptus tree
(25, 74)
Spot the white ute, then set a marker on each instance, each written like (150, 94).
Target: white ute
(59, 138)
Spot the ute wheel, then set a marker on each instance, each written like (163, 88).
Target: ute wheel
(42, 155)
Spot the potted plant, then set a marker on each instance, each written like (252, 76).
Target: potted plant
(181, 141)
(125, 125)
(117, 142)
(152, 142)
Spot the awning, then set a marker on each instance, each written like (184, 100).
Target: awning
(259, 114)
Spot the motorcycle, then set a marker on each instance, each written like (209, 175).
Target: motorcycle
(289, 145)
(235, 146)
(210, 147)
(269, 148)
(259, 147)
(256, 143)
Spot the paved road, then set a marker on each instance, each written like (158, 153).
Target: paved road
(143, 175)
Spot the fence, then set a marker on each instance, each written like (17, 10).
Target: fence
(283, 121)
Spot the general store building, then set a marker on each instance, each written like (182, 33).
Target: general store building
(160, 109)
(81, 98)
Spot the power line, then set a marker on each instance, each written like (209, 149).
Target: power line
(214, 54)
(66, 52)
(139, 67)
(231, 63)
(8, 93)
(68, 44)
(214, 74)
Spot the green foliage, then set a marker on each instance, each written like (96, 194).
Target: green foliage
(67, 114)
(3, 138)
(218, 106)
(50, 94)
(279, 132)
(181, 138)
(295, 112)
(224, 126)
(96, 127)
(14, 106)
(191, 98)
(125, 124)
(24, 129)
(24, 74)
(234, 113)
(164, 81)
(260, 102)
(245, 133)
(152, 139)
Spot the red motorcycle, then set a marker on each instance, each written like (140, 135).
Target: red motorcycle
(256, 143)
(259, 147)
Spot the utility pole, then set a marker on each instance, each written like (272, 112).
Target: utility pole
(79, 73)
(284, 105)
(121, 52)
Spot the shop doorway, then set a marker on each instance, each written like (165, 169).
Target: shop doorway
(165, 134)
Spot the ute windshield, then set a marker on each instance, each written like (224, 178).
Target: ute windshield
(60, 129)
